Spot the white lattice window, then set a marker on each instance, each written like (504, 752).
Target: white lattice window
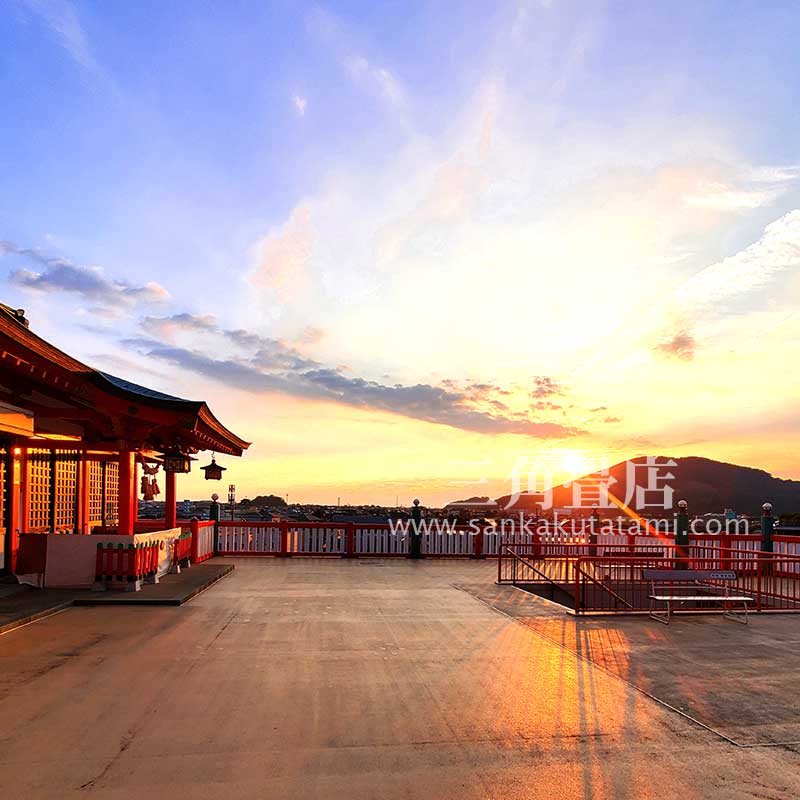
(95, 506)
(111, 516)
(65, 491)
(40, 476)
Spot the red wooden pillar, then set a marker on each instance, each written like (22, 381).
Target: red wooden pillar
(194, 527)
(284, 527)
(170, 509)
(127, 491)
(83, 494)
(350, 540)
(135, 492)
(25, 490)
(725, 551)
(15, 509)
(477, 544)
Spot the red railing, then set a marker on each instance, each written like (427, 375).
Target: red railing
(198, 533)
(130, 563)
(202, 533)
(599, 580)
(182, 549)
(126, 563)
(346, 539)
(343, 539)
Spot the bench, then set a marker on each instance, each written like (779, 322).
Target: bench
(679, 586)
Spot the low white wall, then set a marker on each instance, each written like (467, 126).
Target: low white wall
(71, 558)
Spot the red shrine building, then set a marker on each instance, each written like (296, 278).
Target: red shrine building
(74, 444)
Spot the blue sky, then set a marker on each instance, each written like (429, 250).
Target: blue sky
(413, 211)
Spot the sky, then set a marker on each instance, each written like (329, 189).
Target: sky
(413, 249)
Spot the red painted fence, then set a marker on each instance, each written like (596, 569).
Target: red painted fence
(121, 563)
(182, 548)
(610, 579)
(131, 563)
(349, 539)
(202, 534)
(559, 554)
(345, 539)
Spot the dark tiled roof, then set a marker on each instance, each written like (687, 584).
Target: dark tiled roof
(143, 391)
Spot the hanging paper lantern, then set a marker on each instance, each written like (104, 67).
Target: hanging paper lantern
(177, 462)
(213, 470)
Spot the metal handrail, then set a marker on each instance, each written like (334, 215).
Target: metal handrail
(578, 572)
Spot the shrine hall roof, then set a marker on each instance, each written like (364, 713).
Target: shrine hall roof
(31, 365)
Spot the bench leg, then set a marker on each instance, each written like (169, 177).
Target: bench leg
(740, 617)
(661, 616)
(727, 609)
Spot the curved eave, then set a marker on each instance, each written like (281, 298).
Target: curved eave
(233, 444)
(43, 359)
(39, 346)
(209, 432)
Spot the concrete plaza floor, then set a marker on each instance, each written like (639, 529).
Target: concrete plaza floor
(21, 604)
(308, 678)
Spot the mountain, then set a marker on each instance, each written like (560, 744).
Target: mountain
(265, 501)
(707, 485)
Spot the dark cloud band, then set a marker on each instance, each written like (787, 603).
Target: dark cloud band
(270, 365)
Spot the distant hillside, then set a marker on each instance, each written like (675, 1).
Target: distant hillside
(707, 485)
(265, 501)
(471, 500)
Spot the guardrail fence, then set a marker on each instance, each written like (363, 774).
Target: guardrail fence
(601, 573)
(609, 578)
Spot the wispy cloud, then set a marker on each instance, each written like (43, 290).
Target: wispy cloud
(734, 286)
(311, 335)
(168, 328)
(300, 104)
(262, 364)
(681, 346)
(751, 269)
(544, 386)
(282, 257)
(749, 188)
(724, 197)
(376, 78)
(62, 19)
(54, 275)
(364, 71)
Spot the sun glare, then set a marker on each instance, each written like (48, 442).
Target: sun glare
(575, 463)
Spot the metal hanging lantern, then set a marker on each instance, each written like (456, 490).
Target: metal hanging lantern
(213, 471)
(177, 462)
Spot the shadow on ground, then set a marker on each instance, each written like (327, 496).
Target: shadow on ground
(740, 680)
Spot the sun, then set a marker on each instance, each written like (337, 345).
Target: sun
(575, 463)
